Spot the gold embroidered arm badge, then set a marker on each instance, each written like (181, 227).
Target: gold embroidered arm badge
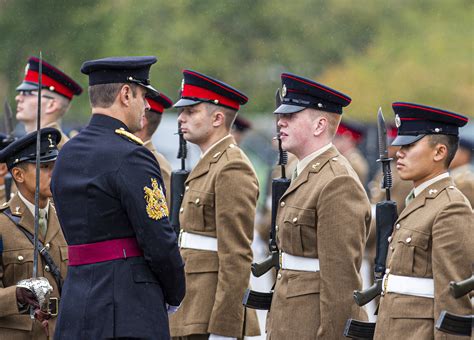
(156, 207)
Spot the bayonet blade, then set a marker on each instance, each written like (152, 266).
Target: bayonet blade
(8, 118)
(382, 136)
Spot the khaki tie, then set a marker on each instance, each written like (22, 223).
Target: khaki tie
(43, 223)
(410, 197)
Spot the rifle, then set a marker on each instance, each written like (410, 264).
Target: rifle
(178, 179)
(385, 217)
(259, 300)
(453, 323)
(8, 118)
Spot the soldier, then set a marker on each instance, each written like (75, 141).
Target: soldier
(125, 270)
(17, 230)
(216, 216)
(322, 222)
(462, 169)
(432, 240)
(4, 142)
(240, 128)
(348, 136)
(151, 121)
(57, 93)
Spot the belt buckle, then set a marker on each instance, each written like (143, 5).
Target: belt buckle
(54, 301)
(385, 284)
(280, 258)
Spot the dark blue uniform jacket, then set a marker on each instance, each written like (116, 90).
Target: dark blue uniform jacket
(99, 189)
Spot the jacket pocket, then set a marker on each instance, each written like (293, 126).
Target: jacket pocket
(17, 265)
(413, 252)
(299, 232)
(302, 284)
(412, 317)
(199, 212)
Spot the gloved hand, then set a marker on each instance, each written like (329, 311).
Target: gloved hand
(172, 309)
(220, 337)
(26, 297)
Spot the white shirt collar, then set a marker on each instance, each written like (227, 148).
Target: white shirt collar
(31, 206)
(213, 145)
(426, 184)
(305, 161)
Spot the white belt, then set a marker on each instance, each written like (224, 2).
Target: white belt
(195, 241)
(293, 262)
(408, 285)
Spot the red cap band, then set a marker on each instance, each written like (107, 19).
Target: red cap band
(32, 77)
(155, 106)
(343, 130)
(193, 91)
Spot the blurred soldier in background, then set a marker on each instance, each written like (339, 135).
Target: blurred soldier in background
(217, 216)
(240, 128)
(57, 93)
(322, 222)
(16, 237)
(151, 121)
(462, 169)
(4, 142)
(349, 136)
(432, 239)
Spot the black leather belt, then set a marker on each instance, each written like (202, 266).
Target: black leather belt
(54, 306)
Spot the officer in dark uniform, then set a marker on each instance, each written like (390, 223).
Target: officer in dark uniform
(125, 270)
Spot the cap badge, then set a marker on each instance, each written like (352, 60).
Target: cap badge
(283, 91)
(398, 121)
(27, 67)
(182, 85)
(51, 144)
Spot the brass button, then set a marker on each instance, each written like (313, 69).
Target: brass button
(279, 276)
(276, 228)
(334, 159)
(295, 220)
(47, 246)
(408, 239)
(20, 258)
(231, 146)
(282, 204)
(46, 268)
(391, 248)
(389, 239)
(397, 226)
(181, 210)
(187, 188)
(197, 201)
(216, 154)
(387, 270)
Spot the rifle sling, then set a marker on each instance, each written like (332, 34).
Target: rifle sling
(43, 251)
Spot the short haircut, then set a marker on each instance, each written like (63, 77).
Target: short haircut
(229, 114)
(103, 95)
(333, 119)
(451, 142)
(154, 120)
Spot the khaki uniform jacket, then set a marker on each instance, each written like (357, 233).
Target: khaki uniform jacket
(64, 138)
(432, 238)
(3, 193)
(17, 258)
(324, 214)
(219, 201)
(165, 167)
(463, 177)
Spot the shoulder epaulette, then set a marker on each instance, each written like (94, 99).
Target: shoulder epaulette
(129, 136)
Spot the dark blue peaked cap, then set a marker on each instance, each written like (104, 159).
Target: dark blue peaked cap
(414, 121)
(5, 141)
(120, 70)
(24, 148)
(298, 93)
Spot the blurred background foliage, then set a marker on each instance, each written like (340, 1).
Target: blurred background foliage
(376, 51)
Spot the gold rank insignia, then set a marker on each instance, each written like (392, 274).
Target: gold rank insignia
(130, 136)
(156, 207)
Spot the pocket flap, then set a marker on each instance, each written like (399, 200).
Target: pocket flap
(201, 198)
(17, 322)
(300, 216)
(201, 262)
(18, 256)
(303, 284)
(412, 307)
(415, 239)
(64, 253)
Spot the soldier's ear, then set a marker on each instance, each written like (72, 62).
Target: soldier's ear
(218, 118)
(18, 174)
(441, 152)
(320, 125)
(125, 94)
